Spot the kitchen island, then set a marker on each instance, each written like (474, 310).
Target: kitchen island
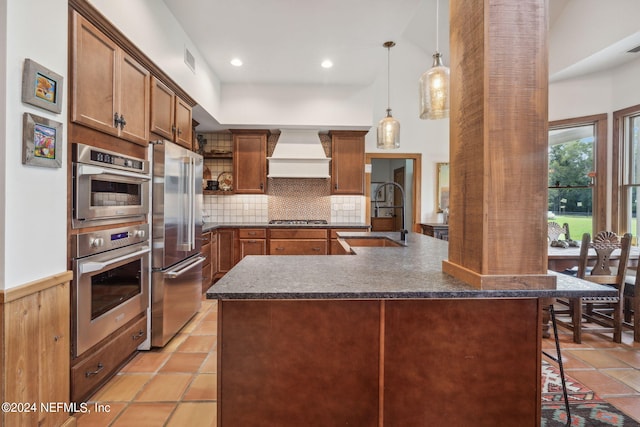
(381, 337)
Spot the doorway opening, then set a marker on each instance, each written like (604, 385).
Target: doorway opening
(404, 169)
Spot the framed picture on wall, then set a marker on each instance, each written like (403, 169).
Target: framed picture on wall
(41, 141)
(41, 87)
(381, 195)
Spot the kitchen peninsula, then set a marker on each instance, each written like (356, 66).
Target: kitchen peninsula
(381, 337)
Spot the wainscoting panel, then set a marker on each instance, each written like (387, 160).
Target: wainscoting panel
(36, 350)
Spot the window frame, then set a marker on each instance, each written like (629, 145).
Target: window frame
(618, 217)
(599, 123)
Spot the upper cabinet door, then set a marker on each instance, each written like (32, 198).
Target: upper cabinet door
(110, 90)
(134, 100)
(183, 126)
(347, 162)
(250, 161)
(94, 61)
(162, 109)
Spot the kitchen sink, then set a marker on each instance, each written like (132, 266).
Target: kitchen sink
(377, 241)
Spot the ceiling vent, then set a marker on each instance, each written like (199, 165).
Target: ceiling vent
(634, 50)
(190, 60)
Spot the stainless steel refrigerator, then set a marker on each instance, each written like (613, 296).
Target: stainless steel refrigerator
(176, 278)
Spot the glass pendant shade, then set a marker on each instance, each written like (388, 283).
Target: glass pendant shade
(388, 127)
(434, 91)
(388, 132)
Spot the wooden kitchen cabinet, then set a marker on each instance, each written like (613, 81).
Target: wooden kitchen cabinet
(170, 115)
(205, 251)
(227, 250)
(94, 368)
(347, 162)
(298, 241)
(214, 255)
(252, 241)
(250, 161)
(109, 88)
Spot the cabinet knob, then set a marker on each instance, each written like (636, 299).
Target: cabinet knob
(123, 122)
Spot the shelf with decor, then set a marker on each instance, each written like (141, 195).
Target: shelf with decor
(218, 155)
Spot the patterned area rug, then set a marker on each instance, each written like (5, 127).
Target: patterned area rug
(587, 409)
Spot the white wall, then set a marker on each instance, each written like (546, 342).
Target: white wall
(598, 93)
(150, 26)
(3, 132)
(313, 106)
(34, 241)
(427, 137)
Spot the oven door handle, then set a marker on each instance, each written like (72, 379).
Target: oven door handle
(91, 266)
(172, 274)
(94, 170)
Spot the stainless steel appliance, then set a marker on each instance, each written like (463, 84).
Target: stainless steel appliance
(111, 286)
(176, 280)
(108, 187)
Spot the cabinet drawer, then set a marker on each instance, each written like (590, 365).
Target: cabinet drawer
(97, 368)
(252, 233)
(297, 247)
(206, 238)
(298, 233)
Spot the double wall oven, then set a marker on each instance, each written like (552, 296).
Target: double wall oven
(108, 187)
(110, 255)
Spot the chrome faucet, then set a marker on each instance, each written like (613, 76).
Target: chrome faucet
(403, 231)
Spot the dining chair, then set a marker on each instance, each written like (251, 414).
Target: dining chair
(606, 313)
(632, 305)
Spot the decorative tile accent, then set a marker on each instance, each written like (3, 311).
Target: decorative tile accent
(299, 198)
(285, 199)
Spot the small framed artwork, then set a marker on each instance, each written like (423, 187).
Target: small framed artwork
(41, 141)
(381, 195)
(41, 87)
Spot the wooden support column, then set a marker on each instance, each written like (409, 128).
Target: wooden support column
(498, 151)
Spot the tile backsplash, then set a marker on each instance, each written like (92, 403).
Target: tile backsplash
(285, 199)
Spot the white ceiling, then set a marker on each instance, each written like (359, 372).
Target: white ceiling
(284, 41)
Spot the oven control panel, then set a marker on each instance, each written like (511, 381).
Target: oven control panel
(90, 155)
(94, 242)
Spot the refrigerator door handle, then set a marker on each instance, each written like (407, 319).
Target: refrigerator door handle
(192, 202)
(172, 274)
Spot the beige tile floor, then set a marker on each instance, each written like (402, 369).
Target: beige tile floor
(176, 385)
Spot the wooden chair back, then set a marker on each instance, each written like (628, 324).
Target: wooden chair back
(604, 243)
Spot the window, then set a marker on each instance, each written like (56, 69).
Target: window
(627, 137)
(575, 163)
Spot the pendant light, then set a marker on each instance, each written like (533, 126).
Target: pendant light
(388, 127)
(434, 84)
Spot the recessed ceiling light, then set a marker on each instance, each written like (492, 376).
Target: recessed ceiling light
(326, 64)
(236, 62)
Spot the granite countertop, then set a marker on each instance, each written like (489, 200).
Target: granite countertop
(411, 271)
(213, 225)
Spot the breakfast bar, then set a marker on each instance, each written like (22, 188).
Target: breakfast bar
(378, 337)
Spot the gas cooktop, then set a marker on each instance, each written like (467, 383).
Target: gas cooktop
(297, 221)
